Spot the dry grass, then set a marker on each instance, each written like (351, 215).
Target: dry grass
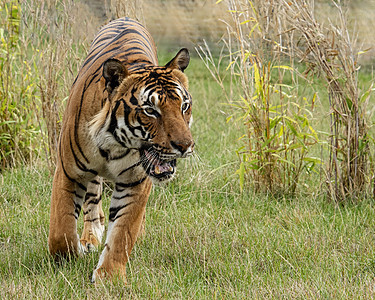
(53, 50)
(205, 239)
(265, 86)
(330, 50)
(54, 35)
(266, 35)
(180, 22)
(360, 23)
(186, 22)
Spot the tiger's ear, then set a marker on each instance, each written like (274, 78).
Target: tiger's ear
(180, 61)
(114, 73)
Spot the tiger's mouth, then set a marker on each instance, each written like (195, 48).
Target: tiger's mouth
(156, 166)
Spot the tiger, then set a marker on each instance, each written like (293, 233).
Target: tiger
(127, 120)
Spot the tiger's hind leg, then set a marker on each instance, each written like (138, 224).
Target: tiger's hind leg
(93, 216)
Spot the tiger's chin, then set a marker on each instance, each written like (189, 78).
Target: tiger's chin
(159, 169)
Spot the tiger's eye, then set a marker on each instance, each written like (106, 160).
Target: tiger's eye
(185, 106)
(151, 112)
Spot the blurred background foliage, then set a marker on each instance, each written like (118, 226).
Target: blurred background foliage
(42, 44)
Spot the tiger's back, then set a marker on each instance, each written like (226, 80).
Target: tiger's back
(127, 120)
(123, 39)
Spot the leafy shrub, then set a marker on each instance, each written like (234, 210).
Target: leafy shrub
(279, 137)
(41, 50)
(278, 120)
(17, 117)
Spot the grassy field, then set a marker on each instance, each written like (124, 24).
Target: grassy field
(204, 239)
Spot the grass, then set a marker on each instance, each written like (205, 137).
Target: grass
(204, 239)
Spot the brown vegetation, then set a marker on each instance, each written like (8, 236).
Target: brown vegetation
(268, 35)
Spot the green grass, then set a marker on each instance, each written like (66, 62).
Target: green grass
(204, 239)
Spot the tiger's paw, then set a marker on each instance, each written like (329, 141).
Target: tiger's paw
(88, 247)
(101, 274)
(89, 242)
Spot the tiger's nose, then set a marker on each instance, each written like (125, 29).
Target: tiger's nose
(184, 147)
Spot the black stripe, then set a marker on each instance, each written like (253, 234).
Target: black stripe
(118, 140)
(134, 49)
(128, 56)
(143, 46)
(94, 201)
(127, 111)
(103, 153)
(78, 196)
(80, 185)
(128, 185)
(77, 210)
(120, 156)
(113, 211)
(104, 35)
(88, 195)
(92, 56)
(119, 216)
(133, 100)
(80, 164)
(133, 129)
(94, 75)
(122, 197)
(75, 80)
(68, 191)
(99, 55)
(92, 220)
(78, 116)
(125, 136)
(126, 32)
(140, 61)
(96, 182)
(76, 139)
(129, 168)
(117, 34)
(152, 88)
(113, 123)
(72, 214)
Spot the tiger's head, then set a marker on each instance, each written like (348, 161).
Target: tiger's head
(149, 110)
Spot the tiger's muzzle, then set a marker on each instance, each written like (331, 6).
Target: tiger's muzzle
(162, 165)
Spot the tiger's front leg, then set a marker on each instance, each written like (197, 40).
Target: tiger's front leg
(93, 215)
(126, 215)
(66, 203)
